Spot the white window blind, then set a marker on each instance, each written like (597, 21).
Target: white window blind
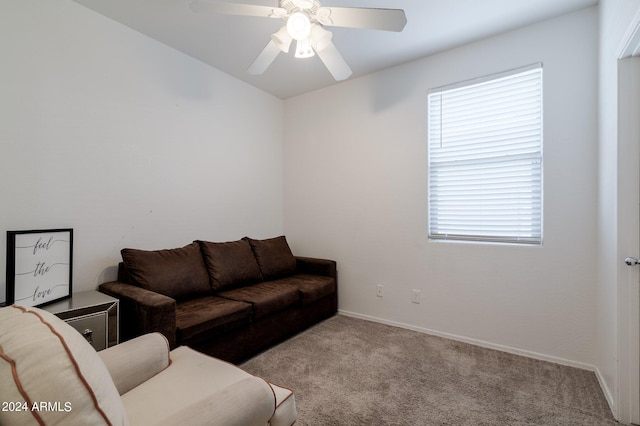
(485, 159)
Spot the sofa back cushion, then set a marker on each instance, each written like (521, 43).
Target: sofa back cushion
(49, 369)
(274, 257)
(179, 273)
(230, 264)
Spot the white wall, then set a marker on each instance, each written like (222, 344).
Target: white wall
(615, 239)
(127, 141)
(355, 191)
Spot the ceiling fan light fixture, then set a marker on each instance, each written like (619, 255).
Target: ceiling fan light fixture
(320, 37)
(304, 49)
(299, 26)
(305, 22)
(282, 39)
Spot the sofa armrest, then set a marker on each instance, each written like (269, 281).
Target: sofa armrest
(248, 402)
(143, 311)
(134, 362)
(311, 265)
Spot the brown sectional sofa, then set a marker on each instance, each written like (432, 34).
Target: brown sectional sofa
(230, 300)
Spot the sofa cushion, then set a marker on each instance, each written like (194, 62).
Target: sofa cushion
(45, 360)
(162, 399)
(274, 257)
(248, 402)
(179, 273)
(311, 287)
(230, 264)
(208, 313)
(266, 297)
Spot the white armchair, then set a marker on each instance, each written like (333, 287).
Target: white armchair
(51, 375)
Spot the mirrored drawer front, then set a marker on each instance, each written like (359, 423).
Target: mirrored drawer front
(93, 314)
(93, 328)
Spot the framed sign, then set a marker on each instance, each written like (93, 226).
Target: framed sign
(39, 266)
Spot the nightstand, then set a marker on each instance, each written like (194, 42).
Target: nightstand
(93, 314)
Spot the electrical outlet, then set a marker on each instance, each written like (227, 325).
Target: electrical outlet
(415, 296)
(379, 290)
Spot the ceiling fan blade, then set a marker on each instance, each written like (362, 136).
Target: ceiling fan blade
(265, 58)
(334, 62)
(236, 9)
(360, 17)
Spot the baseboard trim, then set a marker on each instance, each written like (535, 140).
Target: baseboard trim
(484, 344)
(607, 392)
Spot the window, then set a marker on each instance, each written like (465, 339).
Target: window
(485, 159)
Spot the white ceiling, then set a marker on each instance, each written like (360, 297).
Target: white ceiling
(231, 43)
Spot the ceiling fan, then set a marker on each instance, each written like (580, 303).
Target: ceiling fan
(305, 22)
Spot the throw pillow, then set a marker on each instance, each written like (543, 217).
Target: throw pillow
(51, 375)
(178, 273)
(274, 257)
(230, 264)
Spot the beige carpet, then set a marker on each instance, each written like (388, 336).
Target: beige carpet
(347, 371)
